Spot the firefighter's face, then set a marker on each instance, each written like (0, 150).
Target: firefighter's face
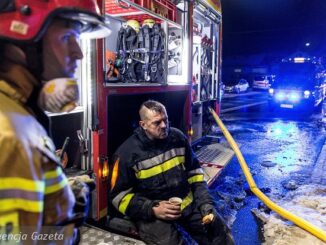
(155, 124)
(61, 50)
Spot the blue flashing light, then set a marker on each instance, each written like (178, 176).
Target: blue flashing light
(271, 91)
(280, 96)
(306, 94)
(294, 97)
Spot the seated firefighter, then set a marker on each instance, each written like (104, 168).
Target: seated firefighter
(155, 164)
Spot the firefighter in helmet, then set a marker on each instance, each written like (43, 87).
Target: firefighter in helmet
(39, 51)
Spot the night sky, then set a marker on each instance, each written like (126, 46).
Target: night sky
(273, 26)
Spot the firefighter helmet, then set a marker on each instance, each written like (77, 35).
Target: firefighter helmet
(134, 24)
(24, 20)
(149, 22)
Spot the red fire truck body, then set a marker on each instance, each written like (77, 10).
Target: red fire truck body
(172, 55)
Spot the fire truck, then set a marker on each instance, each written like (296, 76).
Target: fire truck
(164, 50)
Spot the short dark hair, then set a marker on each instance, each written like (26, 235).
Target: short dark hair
(152, 105)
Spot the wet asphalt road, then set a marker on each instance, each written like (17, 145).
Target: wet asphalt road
(280, 149)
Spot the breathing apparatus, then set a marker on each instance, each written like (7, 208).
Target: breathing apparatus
(141, 52)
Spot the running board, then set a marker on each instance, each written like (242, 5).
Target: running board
(94, 235)
(213, 158)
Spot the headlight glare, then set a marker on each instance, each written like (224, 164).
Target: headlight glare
(280, 96)
(306, 94)
(294, 97)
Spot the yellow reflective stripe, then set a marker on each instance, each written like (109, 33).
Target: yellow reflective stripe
(125, 202)
(22, 184)
(152, 162)
(196, 178)
(53, 174)
(165, 166)
(22, 204)
(58, 186)
(187, 200)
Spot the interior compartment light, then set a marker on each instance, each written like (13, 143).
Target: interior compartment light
(190, 132)
(104, 168)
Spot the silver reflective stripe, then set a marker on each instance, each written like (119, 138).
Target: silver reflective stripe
(116, 201)
(151, 162)
(196, 171)
(22, 194)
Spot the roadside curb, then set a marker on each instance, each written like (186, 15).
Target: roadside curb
(319, 173)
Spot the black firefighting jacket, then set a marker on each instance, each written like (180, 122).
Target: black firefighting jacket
(147, 171)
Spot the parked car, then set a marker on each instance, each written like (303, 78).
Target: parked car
(298, 86)
(236, 86)
(262, 82)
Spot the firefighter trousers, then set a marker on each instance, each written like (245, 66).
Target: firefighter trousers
(161, 232)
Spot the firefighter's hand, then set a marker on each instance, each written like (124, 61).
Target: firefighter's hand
(81, 187)
(166, 211)
(85, 179)
(208, 213)
(218, 224)
(63, 159)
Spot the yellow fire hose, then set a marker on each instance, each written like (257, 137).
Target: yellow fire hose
(273, 206)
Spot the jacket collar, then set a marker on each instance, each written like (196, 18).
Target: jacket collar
(20, 85)
(140, 133)
(17, 82)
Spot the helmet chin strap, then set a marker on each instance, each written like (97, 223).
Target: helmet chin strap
(34, 58)
(39, 113)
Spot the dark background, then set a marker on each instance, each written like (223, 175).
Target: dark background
(278, 27)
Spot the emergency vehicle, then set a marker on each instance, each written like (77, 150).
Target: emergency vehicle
(300, 85)
(158, 49)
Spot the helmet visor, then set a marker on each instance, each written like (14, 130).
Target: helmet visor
(92, 26)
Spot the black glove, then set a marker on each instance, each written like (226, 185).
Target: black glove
(206, 209)
(81, 187)
(222, 232)
(208, 212)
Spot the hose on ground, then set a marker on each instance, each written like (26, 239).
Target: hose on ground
(314, 230)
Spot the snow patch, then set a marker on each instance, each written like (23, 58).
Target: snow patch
(307, 202)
